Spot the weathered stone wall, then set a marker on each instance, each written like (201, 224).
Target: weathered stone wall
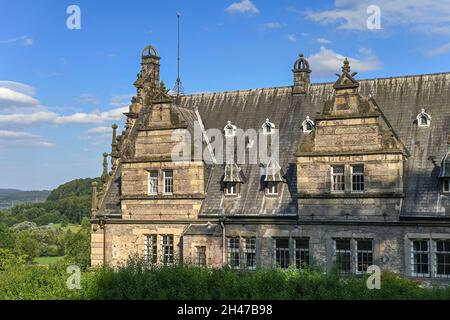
(213, 246)
(97, 246)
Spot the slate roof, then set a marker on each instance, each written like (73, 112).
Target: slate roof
(400, 99)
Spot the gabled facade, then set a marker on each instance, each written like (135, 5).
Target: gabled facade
(365, 184)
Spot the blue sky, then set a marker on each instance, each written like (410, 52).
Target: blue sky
(61, 89)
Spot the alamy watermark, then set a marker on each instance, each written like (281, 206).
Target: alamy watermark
(73, 22)
(373, 22)
(74, 280)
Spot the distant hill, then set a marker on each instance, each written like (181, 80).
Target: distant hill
(68, 203)
(13, 197)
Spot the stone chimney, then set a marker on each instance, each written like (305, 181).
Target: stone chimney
(301, 76)
(150, 67)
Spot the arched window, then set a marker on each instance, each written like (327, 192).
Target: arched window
(423, 119)
(230, 130)
(308, 125)
(268, 127)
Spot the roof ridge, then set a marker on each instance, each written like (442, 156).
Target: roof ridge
(315, 84)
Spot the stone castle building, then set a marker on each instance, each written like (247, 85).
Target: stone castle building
(362, 177)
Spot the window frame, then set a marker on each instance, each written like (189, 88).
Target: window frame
(235, 187)
(445, 253)
(362, 252)
(150, 178)
(151, 248)
(356, 175)
(200, 256)
(270, 186)
(420, 252)
(166, 179)
(282, 254)
(167, 249)
(301, 254)
(444, 181)
(250, 253)
(346, 252)
(233, 249)
(335, 175)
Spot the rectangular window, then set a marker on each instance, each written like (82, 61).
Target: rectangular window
(343, 255)
(150, 249)
(420, 262)
(250, 253)
(231, 189)
(282, 253)
(233, 252)
(153, 182)
(168, 181)
(357, 172)
(272, 188)
(201, 256)
(446, 185)
(301, 251)
(337, 178)
(443, 258)
(167, 254)
(364, 253)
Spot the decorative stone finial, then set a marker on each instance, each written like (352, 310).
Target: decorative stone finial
(94, 198)
(346, 66)
(105, 167)
(301, 76)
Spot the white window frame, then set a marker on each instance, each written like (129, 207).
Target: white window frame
(346, 252)
(167, 242)
(282, 252)
(436, 253)
(333, 175)
(306, 123)
(352, 174)
(151, 248)
(420, 252)
(423, 115)
(250, 249)
(153, 182)
(272, 188)
(268, 127)
(233, 250)
(299, 251)
(168, 182)
(362, 252)
(446, 181)
(231, 189)
(230, 130)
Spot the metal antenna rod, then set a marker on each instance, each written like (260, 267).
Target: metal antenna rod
(178, 89)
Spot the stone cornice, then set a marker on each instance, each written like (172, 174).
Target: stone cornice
(346, 153)
(352, 195)
(165, 127)
(196, 196)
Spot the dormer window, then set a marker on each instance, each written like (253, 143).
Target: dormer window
(272, 188)
(423, 119)
(231, 188)
(230, 130)
(268, 127)
(307, 125)
(446, 185)
(232, 179)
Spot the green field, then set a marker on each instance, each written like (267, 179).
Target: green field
(72, 227)
(47, 260)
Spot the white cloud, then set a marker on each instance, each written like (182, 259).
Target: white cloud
(100, 130)
(28, 118)
(271, 25)
(245, 6)
(11, 97)
(417, 15)
(89, 98)
(18, 87)
(323, 41)
(326, 62)
(120, 100)
(22, 139)
(291, 38)
(15, 134)
(440, 50)
(25, 41)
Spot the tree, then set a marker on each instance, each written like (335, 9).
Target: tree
(77, 248)
(27, 246)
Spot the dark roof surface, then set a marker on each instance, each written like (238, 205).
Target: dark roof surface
(401, 100)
